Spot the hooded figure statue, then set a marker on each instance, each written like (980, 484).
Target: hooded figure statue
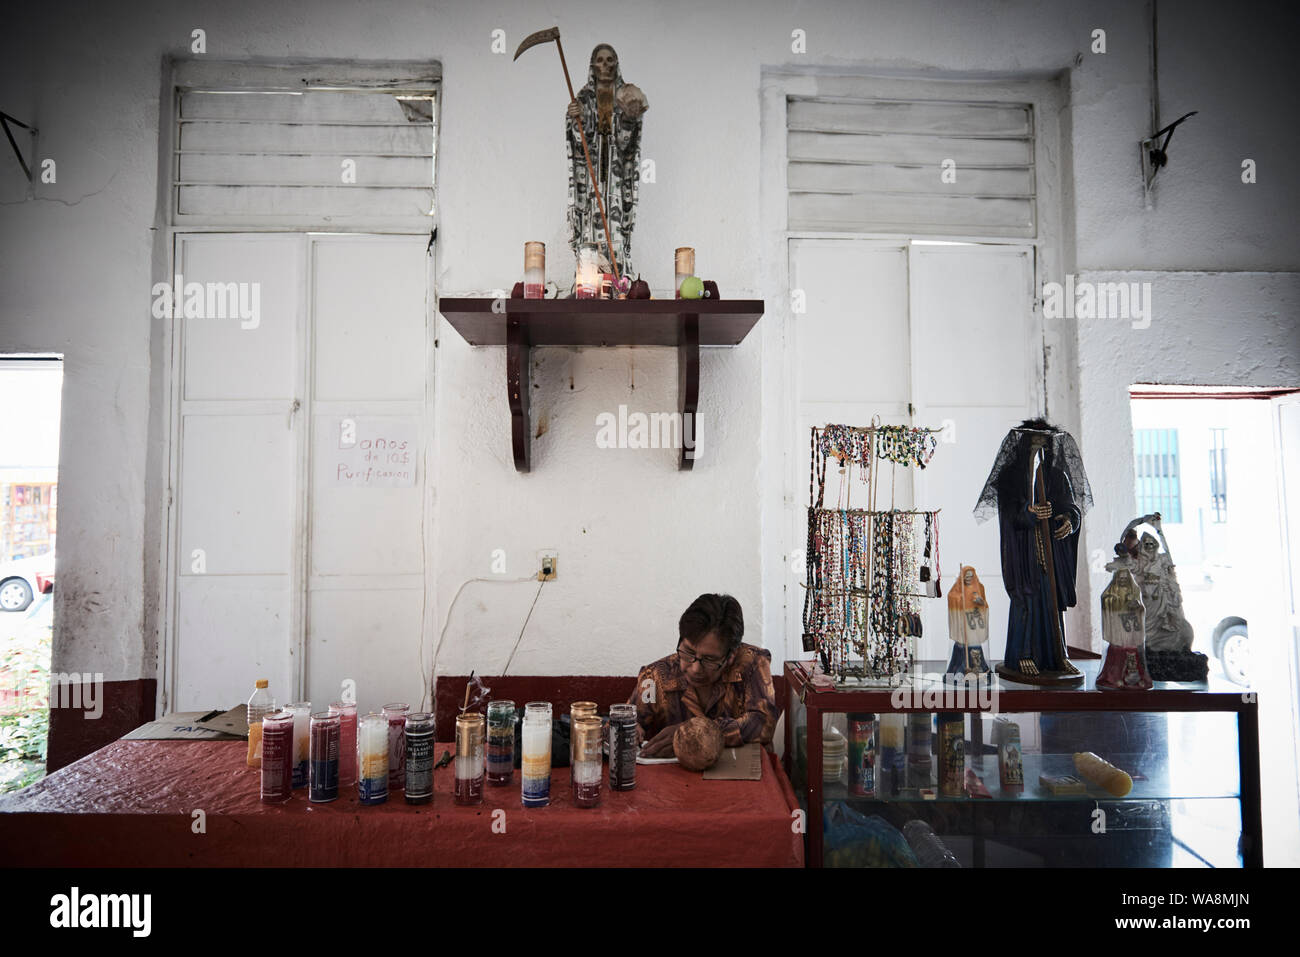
(1034, 451)
(610, 113)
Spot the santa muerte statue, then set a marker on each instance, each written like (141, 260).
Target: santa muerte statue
(1168, 632)
(609, 112)
(1039, 491)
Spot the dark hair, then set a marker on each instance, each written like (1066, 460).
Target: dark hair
(713, 614)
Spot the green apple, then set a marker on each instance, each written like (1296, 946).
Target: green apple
(692, 287)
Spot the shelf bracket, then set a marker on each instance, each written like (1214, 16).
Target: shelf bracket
(518, 386)
(688, 386)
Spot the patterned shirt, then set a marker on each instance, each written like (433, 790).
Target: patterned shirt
(746, 710)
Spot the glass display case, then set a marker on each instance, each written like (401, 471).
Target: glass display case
(932, 774)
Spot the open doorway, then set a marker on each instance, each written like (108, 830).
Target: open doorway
(30, 390)
(1218, 465)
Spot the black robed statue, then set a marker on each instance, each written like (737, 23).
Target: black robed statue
(1040, 492)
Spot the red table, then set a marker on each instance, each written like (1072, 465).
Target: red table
(132, 803)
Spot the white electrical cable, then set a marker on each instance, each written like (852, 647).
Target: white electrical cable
(452, 607)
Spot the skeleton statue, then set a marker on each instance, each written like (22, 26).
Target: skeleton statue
(609, 111)
(1166, 627)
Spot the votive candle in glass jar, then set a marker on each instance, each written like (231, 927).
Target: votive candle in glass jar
(535, 760)
(469, 759)
(396, 714)
(534, 270)
(301, 742)
(372, 758)
(586, 768)
(277, 756)
(324, 785)
(587, 280)
(419, 758)
(347, 742)
(500, 742)
(622, 747)
(578, 709)
(683, 266)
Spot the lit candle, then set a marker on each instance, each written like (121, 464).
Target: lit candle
(419, 758)
(396, 714)
(469, 758)
(277, 757)
(301, 742)
(586, 765)
(500, 742)
(587, 281)
(347, 742)
(535, 761)
(324, 757)
(372, 759)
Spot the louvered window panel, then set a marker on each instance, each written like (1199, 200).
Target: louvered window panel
(875, 166)
(249, 155)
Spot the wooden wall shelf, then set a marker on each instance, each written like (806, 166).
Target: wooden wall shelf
(525, 323)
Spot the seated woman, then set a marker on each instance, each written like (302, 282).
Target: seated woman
(712, 674)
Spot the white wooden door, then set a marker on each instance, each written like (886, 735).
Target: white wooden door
(941, 336)
(279, 569)
(977, 373)
(851, 362)
(365, 592)
(235, 489)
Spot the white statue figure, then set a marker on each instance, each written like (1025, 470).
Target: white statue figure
(1122, 613)
(1167, 629)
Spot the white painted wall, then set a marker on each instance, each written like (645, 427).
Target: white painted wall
(637, 539)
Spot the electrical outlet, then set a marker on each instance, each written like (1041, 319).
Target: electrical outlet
(549, 565)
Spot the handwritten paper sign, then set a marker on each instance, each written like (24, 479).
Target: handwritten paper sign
(371, 452)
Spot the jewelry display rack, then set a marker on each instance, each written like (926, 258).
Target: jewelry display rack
(860, 611)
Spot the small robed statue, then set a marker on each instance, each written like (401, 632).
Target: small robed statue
(968, 626)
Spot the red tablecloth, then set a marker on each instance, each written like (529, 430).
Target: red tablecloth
(132, 803)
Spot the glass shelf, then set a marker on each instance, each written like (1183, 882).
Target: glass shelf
(1150, 783)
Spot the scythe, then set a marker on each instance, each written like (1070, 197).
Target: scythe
(546, 36)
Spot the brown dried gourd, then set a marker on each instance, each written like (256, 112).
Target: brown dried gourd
(697, 743)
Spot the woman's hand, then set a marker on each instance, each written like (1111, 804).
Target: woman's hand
(661, 745)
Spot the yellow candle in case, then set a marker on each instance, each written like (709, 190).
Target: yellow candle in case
(1103, 774)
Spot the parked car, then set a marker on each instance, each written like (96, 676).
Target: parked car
(22, 579)
(1231, 648)
(1213, 594)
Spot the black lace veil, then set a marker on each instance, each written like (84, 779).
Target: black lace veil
(1011, 467)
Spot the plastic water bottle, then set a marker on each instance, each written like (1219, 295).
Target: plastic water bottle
(259, 704)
